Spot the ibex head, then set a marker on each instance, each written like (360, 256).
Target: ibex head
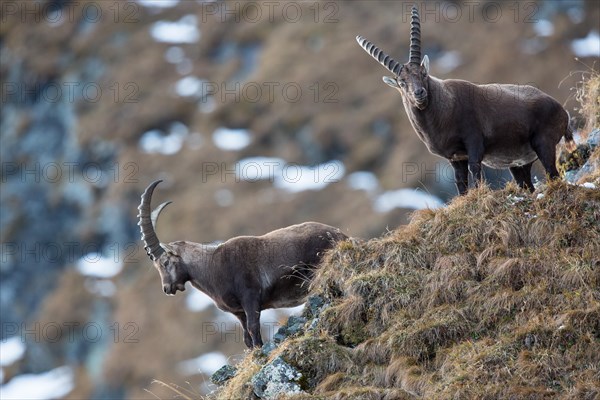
(166, 259)
(410, 78)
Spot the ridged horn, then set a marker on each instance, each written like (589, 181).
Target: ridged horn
(415, 37)
(392, 65)
(147, 222)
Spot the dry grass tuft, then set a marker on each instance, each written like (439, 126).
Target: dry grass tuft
(239, 387)
(588, 96)
(495, 296)
(182, 393)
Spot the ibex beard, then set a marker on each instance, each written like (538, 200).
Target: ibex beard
(245, 274)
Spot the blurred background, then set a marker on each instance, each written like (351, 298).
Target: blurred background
(257, 115)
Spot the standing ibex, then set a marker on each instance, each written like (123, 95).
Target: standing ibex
(499, 125)
(243, 275)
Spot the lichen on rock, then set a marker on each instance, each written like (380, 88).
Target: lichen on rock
(276, 378)
(223, 374)
(293, 326)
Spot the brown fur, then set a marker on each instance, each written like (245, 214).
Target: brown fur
(245, 274)
(501, 126)
(498, 125)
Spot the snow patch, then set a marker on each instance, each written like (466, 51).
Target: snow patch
(259, 168)
(190, 86)
(95, 264)
(231, 139)
(11, 350)
(543, 28)
(207, 364)
(363, 180)
(297, 178)
(513, 199)
(588, 185)
(156, 142)
(53, 384)
(183, 31)
(589, 46)
(405, 198)
(290, 177)
(197, 301)
(158, 3)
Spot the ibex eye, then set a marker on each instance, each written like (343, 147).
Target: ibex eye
(402, 84)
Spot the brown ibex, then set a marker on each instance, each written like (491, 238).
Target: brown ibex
(243, 275)
(499, 125)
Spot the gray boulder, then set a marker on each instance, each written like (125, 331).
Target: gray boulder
(276, 378)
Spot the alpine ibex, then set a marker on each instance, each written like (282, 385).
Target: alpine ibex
(499, 125)
(243, 275)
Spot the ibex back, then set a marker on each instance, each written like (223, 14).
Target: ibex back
(499, 125)
(243, 275)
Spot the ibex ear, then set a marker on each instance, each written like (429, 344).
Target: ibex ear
(425, 63)
(169, 249)
(390, 81)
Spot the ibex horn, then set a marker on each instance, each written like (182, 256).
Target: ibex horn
(147, 222)
(385, 60)
(156, 213)
(415, 37)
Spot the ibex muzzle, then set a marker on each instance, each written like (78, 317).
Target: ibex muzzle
(498, 125)
(243, 275)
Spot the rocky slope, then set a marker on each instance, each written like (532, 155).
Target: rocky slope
(495, 296)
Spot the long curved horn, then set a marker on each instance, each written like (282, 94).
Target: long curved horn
(392, 65)
(156, 213)
(146, 223)
(415, 37)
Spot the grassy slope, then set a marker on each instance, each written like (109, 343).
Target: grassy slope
(495, 296)
(482, 299)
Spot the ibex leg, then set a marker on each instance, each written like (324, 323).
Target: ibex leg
(252, 309)
(522, 176)
(461, 175)
(247, 338)
(546, 152)
(475, 153)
